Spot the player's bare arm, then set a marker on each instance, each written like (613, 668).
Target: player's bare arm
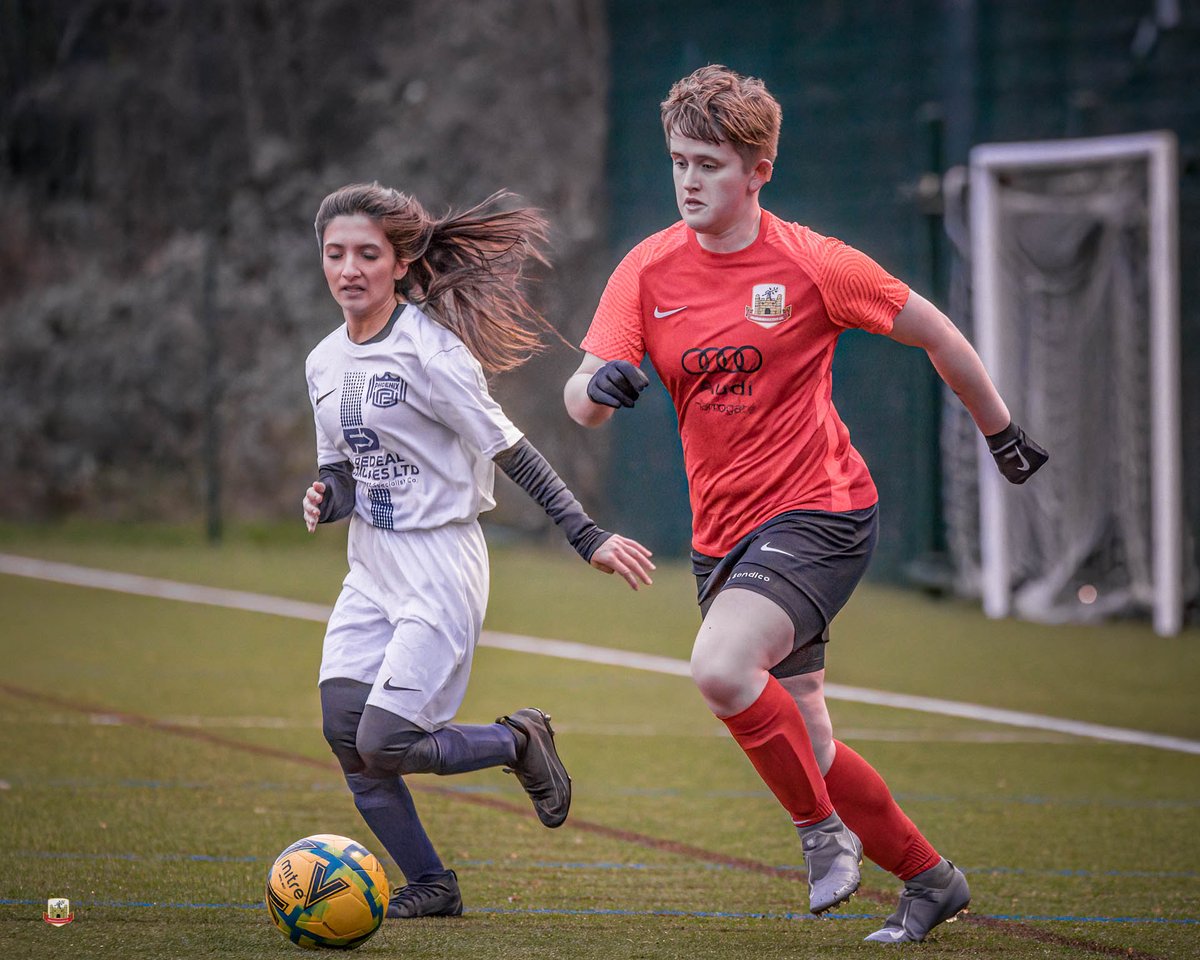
(921, 324)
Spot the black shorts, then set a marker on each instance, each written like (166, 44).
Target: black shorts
(806, 561)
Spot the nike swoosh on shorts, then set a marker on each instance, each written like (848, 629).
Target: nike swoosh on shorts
(387, 685)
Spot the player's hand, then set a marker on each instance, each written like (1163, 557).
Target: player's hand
(617, 384)
(311, 505)
(1018, 457)
(627, 557)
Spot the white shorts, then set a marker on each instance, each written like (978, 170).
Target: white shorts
(409, 617)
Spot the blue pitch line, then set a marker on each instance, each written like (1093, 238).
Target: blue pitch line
(599, 912)
(1068, 872)
(601, 865)
(155, 857)
(1039, 918)
(131, 783)
(77, 783)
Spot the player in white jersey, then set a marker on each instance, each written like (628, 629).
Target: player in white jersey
(407, 435)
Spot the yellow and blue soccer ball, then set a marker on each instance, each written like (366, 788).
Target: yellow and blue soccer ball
(327, 891)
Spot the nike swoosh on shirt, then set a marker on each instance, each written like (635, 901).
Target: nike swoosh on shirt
(326, 393)
(659, 314)
(767, 548)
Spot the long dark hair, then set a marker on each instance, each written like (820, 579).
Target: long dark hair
(465, 269)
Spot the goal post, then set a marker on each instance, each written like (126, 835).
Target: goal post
(1001, 176)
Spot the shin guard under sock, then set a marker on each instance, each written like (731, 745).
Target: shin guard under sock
(389, 744)
(772, 733)
(387, 807)
(461, 748)
(867, 807)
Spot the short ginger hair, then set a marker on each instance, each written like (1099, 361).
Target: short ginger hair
(716, 104)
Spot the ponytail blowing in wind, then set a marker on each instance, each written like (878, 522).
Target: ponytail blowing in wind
(464, 269)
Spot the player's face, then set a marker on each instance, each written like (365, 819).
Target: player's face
(713, 190)
(360, 266)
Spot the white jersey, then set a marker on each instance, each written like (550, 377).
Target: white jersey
(413, 415)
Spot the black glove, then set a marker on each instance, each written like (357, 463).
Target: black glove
(617, 384)
(1016, 455)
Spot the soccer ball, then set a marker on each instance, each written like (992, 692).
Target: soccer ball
(327, 891)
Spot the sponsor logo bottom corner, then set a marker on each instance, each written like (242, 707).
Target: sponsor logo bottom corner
(58, 912)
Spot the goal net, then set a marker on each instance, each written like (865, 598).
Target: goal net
(1067, 283)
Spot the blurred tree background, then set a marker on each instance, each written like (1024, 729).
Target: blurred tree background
(162, 164)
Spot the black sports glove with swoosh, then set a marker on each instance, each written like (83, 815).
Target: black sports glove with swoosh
(1018, 457)
(617, 384)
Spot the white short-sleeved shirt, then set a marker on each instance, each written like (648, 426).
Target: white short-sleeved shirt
(413, 415)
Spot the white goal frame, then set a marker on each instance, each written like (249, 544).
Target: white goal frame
(1159, 150)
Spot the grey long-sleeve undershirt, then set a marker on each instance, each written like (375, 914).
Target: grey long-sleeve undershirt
(523, 464)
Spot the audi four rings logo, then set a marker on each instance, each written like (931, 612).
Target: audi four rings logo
(722, 360)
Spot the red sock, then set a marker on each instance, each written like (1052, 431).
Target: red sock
(866, 806)
(772, 733)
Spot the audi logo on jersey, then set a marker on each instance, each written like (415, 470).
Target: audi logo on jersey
(745, 359)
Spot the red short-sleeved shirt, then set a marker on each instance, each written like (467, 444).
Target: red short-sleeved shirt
(744, 344)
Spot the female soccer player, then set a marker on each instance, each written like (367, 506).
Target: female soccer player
(740, 313)
(407, 435)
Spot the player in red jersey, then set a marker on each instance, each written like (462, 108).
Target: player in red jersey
(740, 312)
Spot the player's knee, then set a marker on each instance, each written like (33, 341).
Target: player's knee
(390, 745)
(722, 683)
(391, 758)
(340, 730)
(341, 707)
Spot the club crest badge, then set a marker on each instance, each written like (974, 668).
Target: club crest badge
(386, 390)
(768, 305)
(58, 911)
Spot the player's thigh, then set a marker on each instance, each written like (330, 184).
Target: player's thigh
(437, 615)
(356, 637)
(743, 631)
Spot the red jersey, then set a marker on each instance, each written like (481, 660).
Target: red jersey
(744, 344)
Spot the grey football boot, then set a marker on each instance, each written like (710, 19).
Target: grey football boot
(937, 895)
(832, 854)
(436, 898)
(538, 767)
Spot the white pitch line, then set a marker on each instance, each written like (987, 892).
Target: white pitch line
(564, 649)
(838, 691)
(162, 589)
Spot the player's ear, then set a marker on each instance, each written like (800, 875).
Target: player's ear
(401, 269)
(761, 173)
